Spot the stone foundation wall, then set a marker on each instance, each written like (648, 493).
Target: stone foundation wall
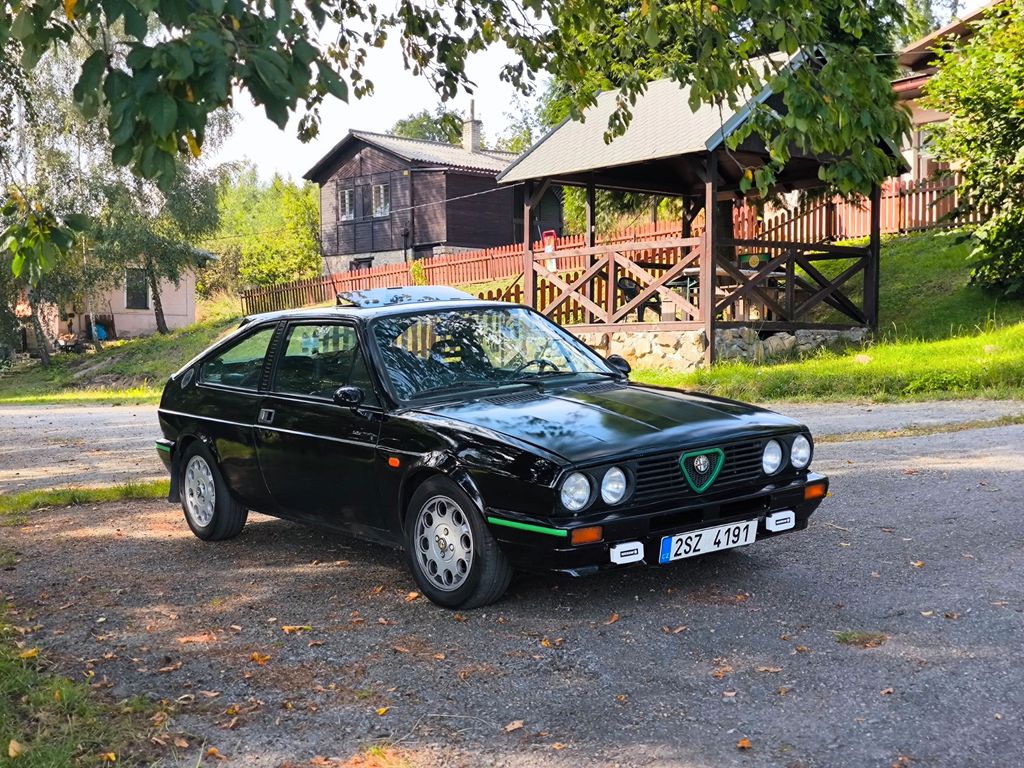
(684, 350)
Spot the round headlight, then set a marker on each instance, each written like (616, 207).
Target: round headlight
(575, 492)
(771, 459)
(800, 452)
(613, 486)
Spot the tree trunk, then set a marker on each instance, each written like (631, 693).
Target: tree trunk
(158, 307)
(42, 343)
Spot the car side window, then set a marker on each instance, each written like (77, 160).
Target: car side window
(240, 364)
(320, 357)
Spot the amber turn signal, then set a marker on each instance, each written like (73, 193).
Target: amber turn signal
(393, 461)
(814, 491)
(586, 535)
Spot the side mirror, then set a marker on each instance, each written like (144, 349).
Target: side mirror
(619, 363)
(348, 397)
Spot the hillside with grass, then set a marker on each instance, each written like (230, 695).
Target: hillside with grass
(938, 338)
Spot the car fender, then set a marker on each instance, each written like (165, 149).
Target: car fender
(176, 456)
(437, 463)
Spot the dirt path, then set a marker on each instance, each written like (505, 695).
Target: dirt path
(54, 446)
(667, 666)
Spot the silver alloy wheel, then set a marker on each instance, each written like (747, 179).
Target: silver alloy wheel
(444, 543)
(200, 493)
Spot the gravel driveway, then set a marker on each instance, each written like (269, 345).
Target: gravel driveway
(668, 666)
(53, 446)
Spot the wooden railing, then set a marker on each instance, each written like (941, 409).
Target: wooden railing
(767, 281)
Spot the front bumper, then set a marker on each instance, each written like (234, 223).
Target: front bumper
(545, 544)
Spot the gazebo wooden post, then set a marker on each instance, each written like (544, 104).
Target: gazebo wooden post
(707, 256)
(873, 271)
(591, 241)
(529, 276)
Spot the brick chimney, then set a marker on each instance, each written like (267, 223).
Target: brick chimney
(471, 131)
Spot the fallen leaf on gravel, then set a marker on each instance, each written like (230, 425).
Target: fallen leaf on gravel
(108, 757)
(14, 749)
(315, 643)
(322, 762)
(439, 656)
(170, 668)
(180, 743)
(556, 643)
(612, 619)
(721, 671)
(887, 691)
(802, 649)
(383, 711)
(558, 745)
(744, 743)
(901, 761)
(231, 724)
(412, 596)
(259, 658)
(1000, 603)
(385, 622)
(515, 725)
(769, 670)
(622, 698)
(202, 637)
(399, 649)
(235, 628)
(917, 563)
(952, 615)
(888, 530)
(231, 710)
(783, 691)
(210, 694)
(31, 653)
(927, 614)
(876, 575)
(291, 629)
(459, 617)
(729, 694)
(214, 753)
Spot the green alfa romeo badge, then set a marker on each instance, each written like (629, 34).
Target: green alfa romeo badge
(700, 468)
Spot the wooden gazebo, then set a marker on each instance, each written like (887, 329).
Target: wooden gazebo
(703, 278)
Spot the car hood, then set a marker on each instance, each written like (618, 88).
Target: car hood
(609, 421)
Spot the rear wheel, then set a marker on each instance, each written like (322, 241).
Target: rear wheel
(210, 510)
(453, 556)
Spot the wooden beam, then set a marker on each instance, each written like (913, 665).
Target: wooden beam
(872, 272)
(539, 193)
(591, 216)
(707, 257)
(529, 276)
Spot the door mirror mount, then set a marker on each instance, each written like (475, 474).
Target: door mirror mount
(620, 364)
(348, 397)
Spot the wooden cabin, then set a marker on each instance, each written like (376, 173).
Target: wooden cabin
(388, 199)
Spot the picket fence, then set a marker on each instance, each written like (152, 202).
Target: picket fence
(905, 207)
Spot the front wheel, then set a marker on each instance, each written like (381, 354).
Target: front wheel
(452, 555)
(210, 510)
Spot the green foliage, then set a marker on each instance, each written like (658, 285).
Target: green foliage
(269, 233)
(178, 63)
(981, 84)
(15, 505)
(419, 274)
(441, 125)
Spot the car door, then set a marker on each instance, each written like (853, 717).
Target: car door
(225, 406)
(318, 458)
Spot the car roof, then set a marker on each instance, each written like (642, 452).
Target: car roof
(368, 310)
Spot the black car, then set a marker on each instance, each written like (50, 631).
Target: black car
(477, 435)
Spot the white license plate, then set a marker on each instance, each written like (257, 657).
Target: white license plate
(706, 540)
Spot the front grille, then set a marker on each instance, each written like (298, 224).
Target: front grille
(660, 479)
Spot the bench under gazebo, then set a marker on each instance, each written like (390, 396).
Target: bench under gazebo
(705, 278)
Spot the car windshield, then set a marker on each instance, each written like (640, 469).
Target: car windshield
(449, 351)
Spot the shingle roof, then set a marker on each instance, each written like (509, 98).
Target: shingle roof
(418, 150)
(663, 125)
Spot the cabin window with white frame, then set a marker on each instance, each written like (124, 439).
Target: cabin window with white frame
(136, 289)
(346, 204)
(381, 199)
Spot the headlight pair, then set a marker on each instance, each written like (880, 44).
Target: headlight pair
(799, 454)
(577, 491)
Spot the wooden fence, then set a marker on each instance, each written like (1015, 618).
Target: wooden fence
(905, 207)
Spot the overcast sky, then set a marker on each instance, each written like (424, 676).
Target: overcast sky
(397, 95)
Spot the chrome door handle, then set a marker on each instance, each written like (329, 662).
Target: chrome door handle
(266, 416)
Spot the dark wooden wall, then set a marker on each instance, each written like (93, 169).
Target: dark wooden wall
(429, 194)
(480, 221)
(359, 170)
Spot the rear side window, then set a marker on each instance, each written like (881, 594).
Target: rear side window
(240, 364)
(320, 357)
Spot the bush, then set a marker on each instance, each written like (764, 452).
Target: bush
(999, 254)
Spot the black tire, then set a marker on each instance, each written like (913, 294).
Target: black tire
(487, 572)
(225, 518)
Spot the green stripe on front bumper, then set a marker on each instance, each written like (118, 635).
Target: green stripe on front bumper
(162, 447)
(528, 527)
